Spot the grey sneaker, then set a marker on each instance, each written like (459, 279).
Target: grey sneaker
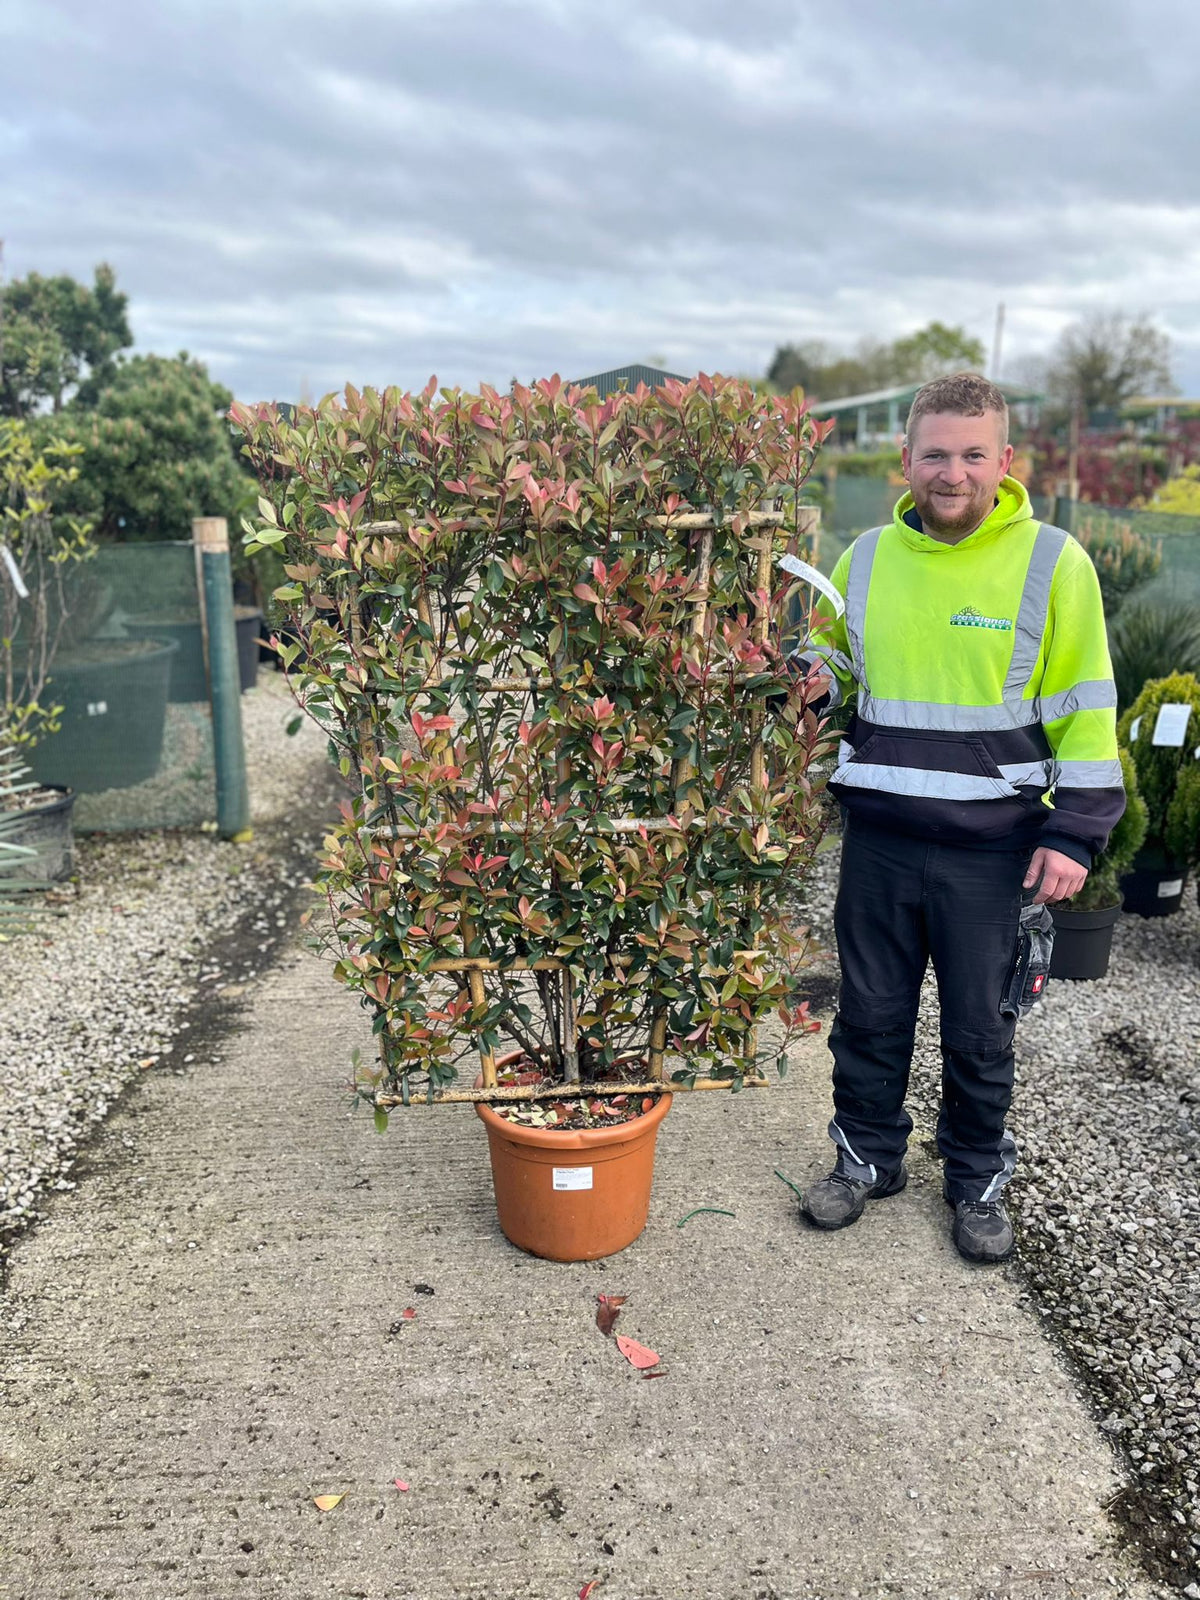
(838, 1200)
(982, 1230)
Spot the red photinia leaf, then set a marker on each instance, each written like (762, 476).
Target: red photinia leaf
(638, 1355)
(401, 1485)
(658, 1372)
(408, 1313)
(608, 1309)
(588, 1589)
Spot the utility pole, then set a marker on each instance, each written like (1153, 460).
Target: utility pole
(997, 342)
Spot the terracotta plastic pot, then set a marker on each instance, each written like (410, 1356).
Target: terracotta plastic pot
(573, 1195)
(1082, 941)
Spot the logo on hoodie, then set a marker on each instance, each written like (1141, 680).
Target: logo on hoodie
(969, 617)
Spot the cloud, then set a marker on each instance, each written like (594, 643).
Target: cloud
(307, 192)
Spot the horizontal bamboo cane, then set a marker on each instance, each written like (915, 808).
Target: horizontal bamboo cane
(614, 825)
(560, 1091)
(805, 516)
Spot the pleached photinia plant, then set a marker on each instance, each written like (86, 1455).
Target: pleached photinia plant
(546, 634)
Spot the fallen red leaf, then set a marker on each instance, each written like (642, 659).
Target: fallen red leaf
(401, 1485)
(408, 1313)
(588, 1588)
(608, 1309)
(659, 1372)
(638, 1355)
(648, 1103)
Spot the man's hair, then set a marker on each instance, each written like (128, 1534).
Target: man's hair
(962, 394)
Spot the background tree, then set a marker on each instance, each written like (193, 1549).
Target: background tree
(1105, 359)
(57, 335)
(933, 351)
(156, 451)
(825, 374)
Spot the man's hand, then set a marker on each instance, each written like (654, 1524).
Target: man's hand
(1061, 876)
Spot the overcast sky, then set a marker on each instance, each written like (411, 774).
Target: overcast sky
(305, 192)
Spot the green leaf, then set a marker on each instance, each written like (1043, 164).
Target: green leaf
(294, 724)
(381, 1120)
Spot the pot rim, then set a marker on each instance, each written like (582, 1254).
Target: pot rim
(576, 1138)
(63, 801)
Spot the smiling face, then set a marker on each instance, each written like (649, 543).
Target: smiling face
(954, 466)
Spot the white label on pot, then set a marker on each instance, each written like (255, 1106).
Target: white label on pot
(1165, 890)
(1133, 728)
(1172, 724)
(572, 1177)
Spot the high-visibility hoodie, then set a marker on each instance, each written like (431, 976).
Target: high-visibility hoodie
(986, 711)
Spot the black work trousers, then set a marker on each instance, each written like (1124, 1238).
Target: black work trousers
(901, 902)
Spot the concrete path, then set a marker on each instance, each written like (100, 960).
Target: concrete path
(209, 1332)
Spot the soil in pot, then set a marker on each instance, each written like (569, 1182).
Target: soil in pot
(114, 698)
(43, 824)
(1082, 941)
(573, 1193)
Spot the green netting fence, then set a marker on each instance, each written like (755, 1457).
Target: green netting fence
(135, 740)
(857, 503)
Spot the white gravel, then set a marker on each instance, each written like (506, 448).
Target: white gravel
(99, 992)
(1106, 1199)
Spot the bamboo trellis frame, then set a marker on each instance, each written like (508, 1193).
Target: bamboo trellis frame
(806, 520)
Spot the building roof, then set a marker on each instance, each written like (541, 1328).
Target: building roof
(606, 383)
(902, 395)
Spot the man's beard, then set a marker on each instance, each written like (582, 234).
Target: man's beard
(973, 509)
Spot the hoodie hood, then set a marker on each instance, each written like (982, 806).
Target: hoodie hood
(1012, 506)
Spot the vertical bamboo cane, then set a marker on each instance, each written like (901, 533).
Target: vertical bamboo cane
(570, 1028)
(758, 769)
(681, 769)
(658, 1044)
(475, 985)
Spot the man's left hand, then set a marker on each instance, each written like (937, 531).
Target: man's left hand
(1061, 876)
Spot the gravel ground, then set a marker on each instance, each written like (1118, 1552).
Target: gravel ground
(1107, 1115)
(101, 991)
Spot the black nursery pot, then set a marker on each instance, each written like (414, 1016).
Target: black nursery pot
(1154, 891)
(1082, 941)
(189, 679)
(44, 826)
(114, 698)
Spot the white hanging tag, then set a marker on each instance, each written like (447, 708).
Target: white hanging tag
(801, 569)
(14, 572)
(1172, 725)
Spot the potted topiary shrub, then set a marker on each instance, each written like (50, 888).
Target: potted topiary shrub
(1083, 927)
(1162, 730)
(544, 633)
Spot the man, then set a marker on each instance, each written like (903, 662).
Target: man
(978, 773)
